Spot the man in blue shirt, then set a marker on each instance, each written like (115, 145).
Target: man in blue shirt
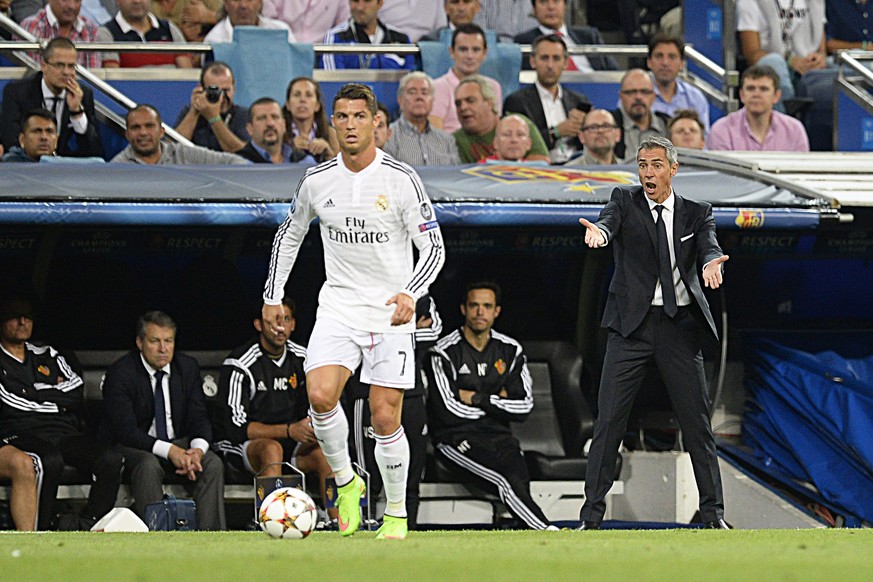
(666, 60)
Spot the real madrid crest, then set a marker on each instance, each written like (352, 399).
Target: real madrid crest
(382, 203)
(210, 386)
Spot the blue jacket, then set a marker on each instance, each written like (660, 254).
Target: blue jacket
(348, 33)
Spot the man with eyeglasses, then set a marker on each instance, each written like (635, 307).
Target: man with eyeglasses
(55, 88)
(212, 120)
(599, 135)
(634, 115)
(413, 140)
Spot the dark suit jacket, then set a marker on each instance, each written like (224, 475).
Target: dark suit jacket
(527, 102)
(579, 35)
(632, 235)
(21, 96)
(129, 403)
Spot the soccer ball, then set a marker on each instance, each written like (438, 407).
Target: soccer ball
(288, 513)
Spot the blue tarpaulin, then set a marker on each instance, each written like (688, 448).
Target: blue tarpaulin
(810, 412)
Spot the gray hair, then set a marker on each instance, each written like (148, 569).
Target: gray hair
(484, 86)
(414, 76)
(656, 141)
(158, 318)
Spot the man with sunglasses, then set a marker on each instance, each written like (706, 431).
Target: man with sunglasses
(634, 116)
(55, 88)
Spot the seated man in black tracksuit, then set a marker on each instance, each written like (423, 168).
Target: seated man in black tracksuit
(478, 382)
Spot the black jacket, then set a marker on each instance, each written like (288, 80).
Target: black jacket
(579, 35)
(129, 404)
(21, 96)
(527, 102)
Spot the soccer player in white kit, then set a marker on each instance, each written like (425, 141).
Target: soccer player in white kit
(370, 208)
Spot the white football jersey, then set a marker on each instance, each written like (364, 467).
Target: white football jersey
(367, 221)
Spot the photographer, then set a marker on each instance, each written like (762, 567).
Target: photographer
(212, 120)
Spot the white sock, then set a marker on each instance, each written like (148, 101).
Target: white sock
(332, 431)
(392, 456)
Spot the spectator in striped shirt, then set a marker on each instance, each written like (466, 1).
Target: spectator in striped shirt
(412, 139)
(62, 18)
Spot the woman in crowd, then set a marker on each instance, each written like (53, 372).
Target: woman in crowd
(306, 119)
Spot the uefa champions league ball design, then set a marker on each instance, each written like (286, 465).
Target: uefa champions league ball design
(288, 513)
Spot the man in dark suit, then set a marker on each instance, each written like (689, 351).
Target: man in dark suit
(656, 311)
(57, 90)
(558, 112)
(550, 16)
(153, 406)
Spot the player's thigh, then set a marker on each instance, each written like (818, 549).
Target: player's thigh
(390, 362)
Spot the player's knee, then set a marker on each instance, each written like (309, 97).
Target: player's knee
(321, 399)
(271, 452)
(22, 469)
(385, 420)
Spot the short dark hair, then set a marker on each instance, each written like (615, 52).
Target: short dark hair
(354, 92)
(262, 101)
(490, 285)
(685, 114)
(664, 38)
(216, 66)
(58, 42)
(759, 72)
(286, 301)
(384, 109)
(143, 107)
(158, 318)
(39, 112)
(469, 28)
(548, 38)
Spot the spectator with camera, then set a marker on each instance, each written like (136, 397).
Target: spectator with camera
(212, 120)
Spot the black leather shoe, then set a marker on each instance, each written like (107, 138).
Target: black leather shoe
(588, 525)
(717, 524)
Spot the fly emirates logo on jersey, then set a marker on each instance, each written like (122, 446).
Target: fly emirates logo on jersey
(355, 232)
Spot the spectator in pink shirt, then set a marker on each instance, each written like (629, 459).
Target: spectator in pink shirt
(309, 19)
(469, 49)
(757, 126)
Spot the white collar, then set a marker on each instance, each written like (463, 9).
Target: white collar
(53, 20)
(545, 94)
(126, 27)
(668, 204)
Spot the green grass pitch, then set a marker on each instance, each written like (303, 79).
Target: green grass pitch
(674, 555)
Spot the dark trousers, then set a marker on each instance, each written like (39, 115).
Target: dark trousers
(363, 445)
(101, 462)
(674, 345)
(498, 465)
(148, 472)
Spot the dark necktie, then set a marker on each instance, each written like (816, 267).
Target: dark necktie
(160, 408)
(668, 291)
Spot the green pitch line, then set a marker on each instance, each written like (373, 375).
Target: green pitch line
(671, 555)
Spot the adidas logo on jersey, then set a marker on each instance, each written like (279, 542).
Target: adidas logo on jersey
(261, 387)
(328, 204)
(464, 369)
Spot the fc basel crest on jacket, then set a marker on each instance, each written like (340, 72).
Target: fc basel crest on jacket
(292, 381)
(500, 365)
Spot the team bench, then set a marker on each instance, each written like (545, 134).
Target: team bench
(553, 438)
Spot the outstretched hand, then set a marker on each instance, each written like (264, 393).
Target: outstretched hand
(593, 236)
(712, 276)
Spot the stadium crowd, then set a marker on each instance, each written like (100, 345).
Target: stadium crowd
(647, 100)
